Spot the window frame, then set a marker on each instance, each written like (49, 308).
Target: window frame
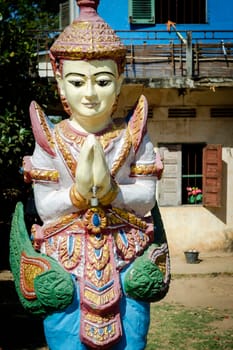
(172, 181)
(132, 9)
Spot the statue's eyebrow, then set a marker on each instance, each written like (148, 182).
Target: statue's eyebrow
(108, 73)
(83, 75)
(79, 74)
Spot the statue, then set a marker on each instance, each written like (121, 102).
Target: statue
(98, 259)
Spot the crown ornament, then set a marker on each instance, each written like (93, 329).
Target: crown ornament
(89, 37)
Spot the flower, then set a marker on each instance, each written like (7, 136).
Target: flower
(194, 195)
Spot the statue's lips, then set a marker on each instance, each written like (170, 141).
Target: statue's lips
(90, 105)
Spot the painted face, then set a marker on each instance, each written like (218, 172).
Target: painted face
(90, 88)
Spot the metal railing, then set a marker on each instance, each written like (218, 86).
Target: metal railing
(163, 54)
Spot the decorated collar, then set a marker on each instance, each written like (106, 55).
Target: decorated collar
(105, 137)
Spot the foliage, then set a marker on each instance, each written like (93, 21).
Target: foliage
(12, 136)
(20, 21)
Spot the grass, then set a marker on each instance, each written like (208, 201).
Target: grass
(175, 327)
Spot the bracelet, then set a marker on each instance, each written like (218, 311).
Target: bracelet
(110, 195)
(77, 200)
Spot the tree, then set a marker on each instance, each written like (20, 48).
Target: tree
(20, 22)
(20, 83)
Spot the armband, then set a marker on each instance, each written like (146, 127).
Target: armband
(76, 198)
(110, 195)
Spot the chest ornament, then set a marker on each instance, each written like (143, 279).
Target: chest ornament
(95, 220)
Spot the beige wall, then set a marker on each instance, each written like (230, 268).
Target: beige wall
(196, 227)
(190, 226)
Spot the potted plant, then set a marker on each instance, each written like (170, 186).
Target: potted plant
(194, 195)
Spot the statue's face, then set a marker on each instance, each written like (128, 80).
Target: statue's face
(90, 88)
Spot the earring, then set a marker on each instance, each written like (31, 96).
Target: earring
(115, 105)
(65, 105)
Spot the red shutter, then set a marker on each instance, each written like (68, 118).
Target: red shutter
(212, 175)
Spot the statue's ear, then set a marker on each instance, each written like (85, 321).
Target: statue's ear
(60, 82)
(119, 83)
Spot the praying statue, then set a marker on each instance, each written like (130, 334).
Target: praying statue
(100, 255)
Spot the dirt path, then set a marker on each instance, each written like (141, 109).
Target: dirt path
(205, 291)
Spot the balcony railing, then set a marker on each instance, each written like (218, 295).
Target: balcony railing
(164, 55)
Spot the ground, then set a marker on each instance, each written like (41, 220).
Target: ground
(209, 282)
(206, 284)
(205, 291)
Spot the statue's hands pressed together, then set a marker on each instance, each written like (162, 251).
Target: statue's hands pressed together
(101, 173)
(84, 172)
(93, 177)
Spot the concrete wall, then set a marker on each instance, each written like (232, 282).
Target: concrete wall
(192, 226)
(196, 227)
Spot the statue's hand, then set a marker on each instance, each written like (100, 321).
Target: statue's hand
(101, 173)
(93, 177)
(84, 172)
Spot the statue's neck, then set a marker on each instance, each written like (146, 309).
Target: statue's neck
(83, 124)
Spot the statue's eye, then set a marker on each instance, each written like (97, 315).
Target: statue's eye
(76, 83)
(103, 82)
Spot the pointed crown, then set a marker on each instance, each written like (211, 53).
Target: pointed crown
(88, 37)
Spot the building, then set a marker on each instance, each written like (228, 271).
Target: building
(180, 56)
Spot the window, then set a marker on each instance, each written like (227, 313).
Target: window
(141, 11)
(191, 171)
(181, 112)
(180, 11)
(128, 110)
(64, 15)
(160, 11)
(221, 112)
(190, 165)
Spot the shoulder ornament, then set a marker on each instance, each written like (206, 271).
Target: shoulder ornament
(137, 122)
(42, 128)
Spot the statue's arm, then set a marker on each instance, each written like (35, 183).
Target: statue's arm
(138, 186)
(52, 194)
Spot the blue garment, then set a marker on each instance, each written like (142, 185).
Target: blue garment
(62, 328)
